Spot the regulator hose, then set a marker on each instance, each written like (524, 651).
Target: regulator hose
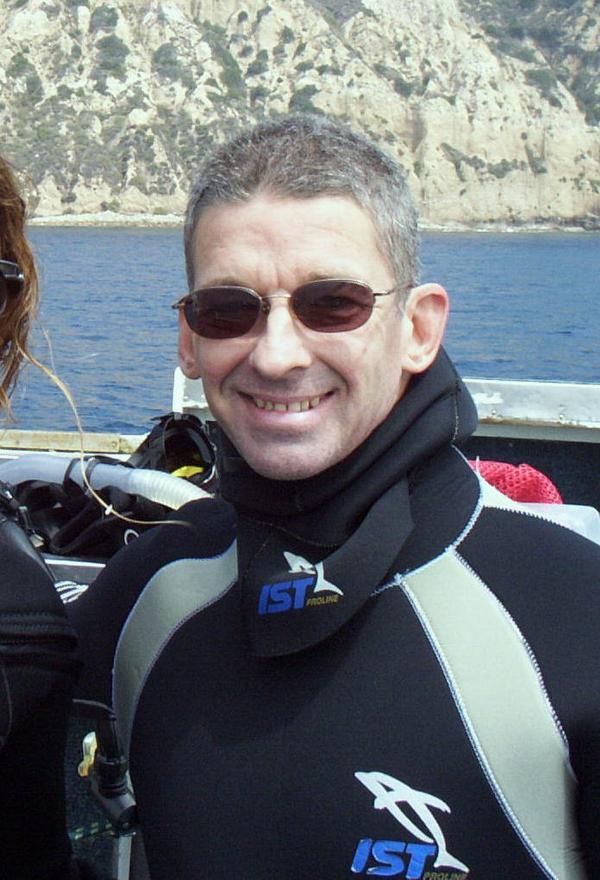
(156, 486)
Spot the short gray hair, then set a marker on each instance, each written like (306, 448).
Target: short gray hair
(303, 156)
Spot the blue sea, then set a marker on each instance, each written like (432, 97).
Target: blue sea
(524, 306)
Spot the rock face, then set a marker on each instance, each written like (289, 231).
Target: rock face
(492, 108)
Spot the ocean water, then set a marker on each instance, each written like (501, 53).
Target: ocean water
(524, 306)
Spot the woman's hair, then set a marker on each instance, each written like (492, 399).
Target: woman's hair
(15, 321)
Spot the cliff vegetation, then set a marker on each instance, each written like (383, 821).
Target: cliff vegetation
(492, 106)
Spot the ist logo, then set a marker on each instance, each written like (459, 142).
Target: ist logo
(304, 587)
(396, 858)
(392, 858)
(285, 595)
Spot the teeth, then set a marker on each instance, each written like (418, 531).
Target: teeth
(295, 407)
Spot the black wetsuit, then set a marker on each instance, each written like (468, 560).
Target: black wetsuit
(310, 722)
(38, 666)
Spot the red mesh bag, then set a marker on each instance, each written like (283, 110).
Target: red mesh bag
(520, 482)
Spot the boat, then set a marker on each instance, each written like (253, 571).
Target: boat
(552, 427)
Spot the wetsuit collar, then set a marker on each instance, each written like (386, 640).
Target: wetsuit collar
(436, 410)
(312, 551)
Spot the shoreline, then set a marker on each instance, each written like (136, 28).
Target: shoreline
(156, 221)
(107, 218)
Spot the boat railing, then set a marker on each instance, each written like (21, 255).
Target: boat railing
(530, 410)
(14, 442)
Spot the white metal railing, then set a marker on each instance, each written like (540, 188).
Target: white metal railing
(540, 410)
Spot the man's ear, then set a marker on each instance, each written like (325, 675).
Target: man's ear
(426, 312)
(188, 360)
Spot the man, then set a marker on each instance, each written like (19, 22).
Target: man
(363, 661)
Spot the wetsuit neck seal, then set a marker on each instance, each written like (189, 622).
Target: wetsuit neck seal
(435, 411)
(310, 552)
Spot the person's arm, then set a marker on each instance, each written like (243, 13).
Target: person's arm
(201, 528)
(585, 757)
(38, 667)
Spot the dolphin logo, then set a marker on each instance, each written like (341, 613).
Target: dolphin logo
(298, 563)
(390, 792)
(69, 591)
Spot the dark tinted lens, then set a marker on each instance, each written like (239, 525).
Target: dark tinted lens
(222, 312)
(11, 282)
(333, 306)
(3, 293)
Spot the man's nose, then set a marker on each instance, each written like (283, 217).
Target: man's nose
(281, 345)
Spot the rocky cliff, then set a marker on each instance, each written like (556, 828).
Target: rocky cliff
(491, 107)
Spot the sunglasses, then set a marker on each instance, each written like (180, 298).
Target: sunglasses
(11, 282)
(332, 305)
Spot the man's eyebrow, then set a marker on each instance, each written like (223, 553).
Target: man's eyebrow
(328, 274)
(320, 275)
(304, 278)
(224, 280)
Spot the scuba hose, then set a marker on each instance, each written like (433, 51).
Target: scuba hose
(156, 486)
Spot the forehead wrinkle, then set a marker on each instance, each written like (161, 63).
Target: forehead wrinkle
(235, 246)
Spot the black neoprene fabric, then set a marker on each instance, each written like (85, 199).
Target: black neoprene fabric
(253, 748)
(38, 666)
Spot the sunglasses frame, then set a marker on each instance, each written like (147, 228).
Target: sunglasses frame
(265, 305)
(12, 282)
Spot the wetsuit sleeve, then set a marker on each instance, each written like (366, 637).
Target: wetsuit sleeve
(38, 667)
(588, 807)
(201, 528)
(548, 578)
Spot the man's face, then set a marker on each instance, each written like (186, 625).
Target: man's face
(295, 401)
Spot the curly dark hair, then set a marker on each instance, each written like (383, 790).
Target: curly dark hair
(15, 321)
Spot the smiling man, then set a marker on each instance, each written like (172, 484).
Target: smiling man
(296, 399)
(360, 659)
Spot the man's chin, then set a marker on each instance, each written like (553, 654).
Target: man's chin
(285, 471)
(282, 464)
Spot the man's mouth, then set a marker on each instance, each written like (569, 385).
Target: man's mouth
(294, 406)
